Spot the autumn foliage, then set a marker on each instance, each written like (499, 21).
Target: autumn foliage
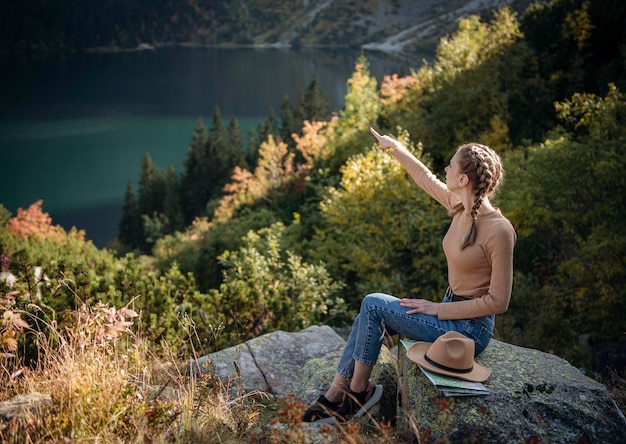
(33, 221)
(11, 324)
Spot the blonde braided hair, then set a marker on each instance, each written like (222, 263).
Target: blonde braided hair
(483, 167)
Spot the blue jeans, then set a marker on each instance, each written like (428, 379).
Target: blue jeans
(381, 313)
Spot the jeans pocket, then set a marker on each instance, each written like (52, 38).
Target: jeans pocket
(480, 330)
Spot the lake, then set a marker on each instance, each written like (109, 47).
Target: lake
(74, 129)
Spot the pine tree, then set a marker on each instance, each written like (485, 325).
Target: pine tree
(171, 204)
(312, 105)
(151, 188)
(219, 168)
(317, 102)
(129, 230)
(150, 201)
(210, 160)
(287, 122)
(300, 112)
(195, 192)
(218, 133)
(236, 148)
(359, 112)
(268, 128)
(253, 148)
(218, 153)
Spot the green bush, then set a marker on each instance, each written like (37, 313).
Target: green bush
(267, 288)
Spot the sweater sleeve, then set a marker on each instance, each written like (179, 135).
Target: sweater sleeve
(424, 177)
(499, 249)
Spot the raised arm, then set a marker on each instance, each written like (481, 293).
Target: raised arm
(417, 170)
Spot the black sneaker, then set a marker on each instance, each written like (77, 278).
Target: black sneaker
(357, 404)
(322, 411)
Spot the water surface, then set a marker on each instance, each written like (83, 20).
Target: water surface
(74, 129)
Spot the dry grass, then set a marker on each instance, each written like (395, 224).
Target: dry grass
(109, 386)
(616, 385)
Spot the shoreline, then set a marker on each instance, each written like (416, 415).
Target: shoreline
(386, 48)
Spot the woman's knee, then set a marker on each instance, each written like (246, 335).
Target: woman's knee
(376, 299)
(369, 299)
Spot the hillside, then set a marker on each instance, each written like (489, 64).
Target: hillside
(389, 25)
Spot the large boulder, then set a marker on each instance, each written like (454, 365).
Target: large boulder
(534, 397)
(301, 363)
(273, 363)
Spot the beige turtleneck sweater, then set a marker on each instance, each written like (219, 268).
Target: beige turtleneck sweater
(482, 271)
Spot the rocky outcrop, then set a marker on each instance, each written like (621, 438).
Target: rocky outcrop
(301, 363)
(423, 23)
(534, 397)
(274, 362)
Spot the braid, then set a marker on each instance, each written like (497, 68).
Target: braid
(484, 169)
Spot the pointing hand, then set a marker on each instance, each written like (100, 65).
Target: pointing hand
(386, 143)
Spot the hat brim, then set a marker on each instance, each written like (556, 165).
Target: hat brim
(417, 351)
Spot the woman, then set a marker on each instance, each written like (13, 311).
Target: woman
(479, 251)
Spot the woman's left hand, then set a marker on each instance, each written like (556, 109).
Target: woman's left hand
(420, 306)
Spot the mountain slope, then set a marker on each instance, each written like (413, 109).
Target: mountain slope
(400, 25)
(77, 25)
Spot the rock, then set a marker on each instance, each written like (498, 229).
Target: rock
(234, 363)
(301, 363)
(273, 362)
(281, 356)
(535, 397)
(20, 414)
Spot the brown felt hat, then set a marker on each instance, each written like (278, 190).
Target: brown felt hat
(452, 354)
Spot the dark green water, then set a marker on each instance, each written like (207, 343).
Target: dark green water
(75, 129)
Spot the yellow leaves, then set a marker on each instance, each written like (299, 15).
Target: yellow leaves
(361, 78)
(596, 113)
(497, 134)
(578, 25)
(361, 104)
(275, 164)
(363, 174)
(474, 43)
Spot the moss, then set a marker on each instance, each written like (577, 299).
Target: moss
(534, 396)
